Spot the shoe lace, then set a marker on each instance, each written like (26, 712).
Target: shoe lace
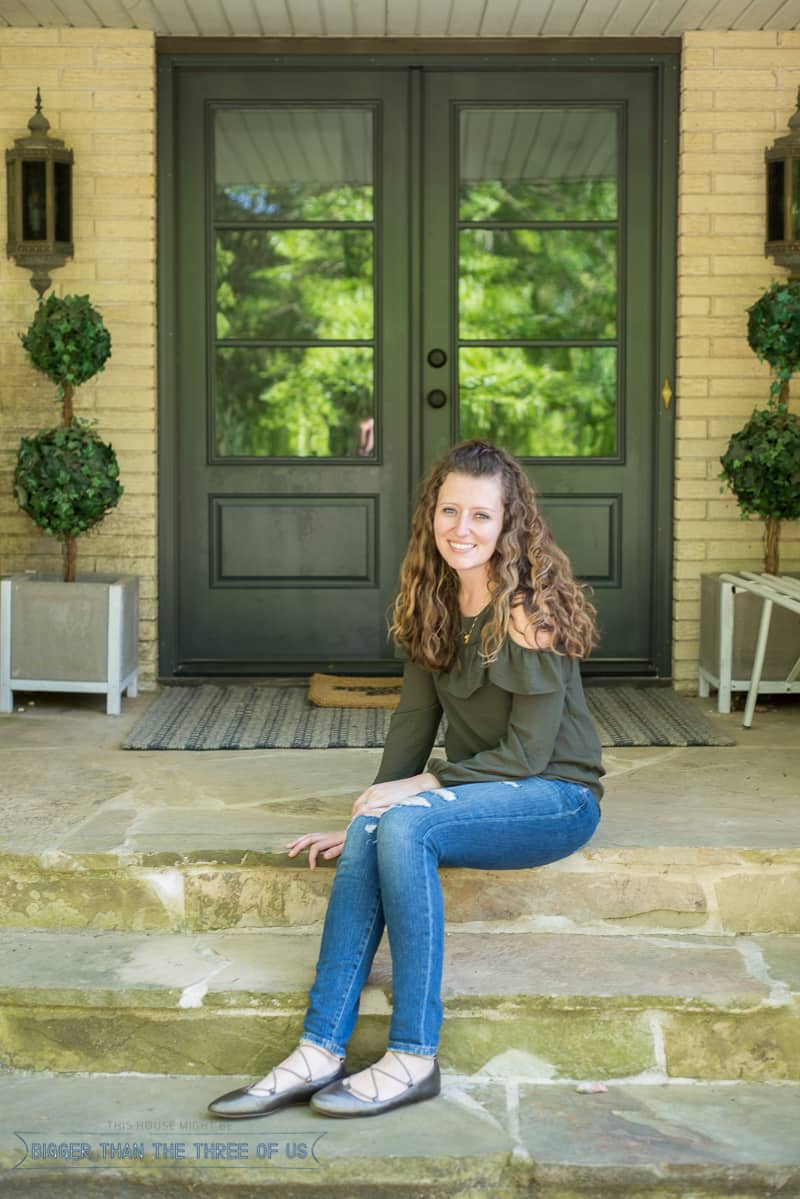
(255, 1089)
(408, 1081)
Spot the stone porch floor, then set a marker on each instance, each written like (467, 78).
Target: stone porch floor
(65, 784)
(172, 846)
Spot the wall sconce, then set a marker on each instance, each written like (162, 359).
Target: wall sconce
(783, 197)
(39, 201)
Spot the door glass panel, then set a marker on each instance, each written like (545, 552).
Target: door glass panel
(309, 164)
(538, 263)
(540, 402)
(538, 164)
(538, 284)
(295, 268)
(295, 284)
(293, 402)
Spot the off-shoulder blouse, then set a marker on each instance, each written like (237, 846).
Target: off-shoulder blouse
(522, 715)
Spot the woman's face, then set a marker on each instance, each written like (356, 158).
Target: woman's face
(468, 520)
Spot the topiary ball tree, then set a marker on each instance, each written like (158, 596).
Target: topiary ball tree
(762, 462)
(66, 478)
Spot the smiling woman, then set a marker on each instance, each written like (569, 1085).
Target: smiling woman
(493, 626)
(467, 524)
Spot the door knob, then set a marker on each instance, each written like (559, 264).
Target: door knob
(436, 398)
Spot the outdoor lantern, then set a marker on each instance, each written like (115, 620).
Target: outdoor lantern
(39, 201)
(783, 197)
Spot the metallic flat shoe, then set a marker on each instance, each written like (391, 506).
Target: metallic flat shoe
(337, 1099)
(243, 1103)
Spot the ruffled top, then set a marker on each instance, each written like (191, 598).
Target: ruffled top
(522, 715)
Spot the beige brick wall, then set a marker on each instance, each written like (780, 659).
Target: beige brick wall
(738, 91)
(98, 93)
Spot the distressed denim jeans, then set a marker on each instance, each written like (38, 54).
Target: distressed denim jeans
(387, 876)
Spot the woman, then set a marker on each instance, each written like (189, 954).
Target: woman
(493, 626)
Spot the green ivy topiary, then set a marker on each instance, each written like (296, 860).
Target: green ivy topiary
(66, 479)
(762, 462)
(67, 340)
(773, 328)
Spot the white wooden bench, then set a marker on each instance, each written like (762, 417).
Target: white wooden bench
(771, 589)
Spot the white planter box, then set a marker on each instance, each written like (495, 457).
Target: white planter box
(729, 622)
(57, 636)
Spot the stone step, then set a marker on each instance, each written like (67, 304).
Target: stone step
(481, 1138)
(558, 1005)
(681, 889)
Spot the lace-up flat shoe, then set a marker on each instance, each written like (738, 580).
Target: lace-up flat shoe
(338, 1100)
(244, 1103)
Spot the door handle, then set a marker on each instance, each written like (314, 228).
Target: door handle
(436, 398)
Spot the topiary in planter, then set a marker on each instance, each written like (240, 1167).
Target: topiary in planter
(66, 477)
(762, 462)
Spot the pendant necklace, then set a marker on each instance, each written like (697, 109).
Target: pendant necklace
(471, 628)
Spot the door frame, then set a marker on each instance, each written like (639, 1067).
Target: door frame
(179, 55)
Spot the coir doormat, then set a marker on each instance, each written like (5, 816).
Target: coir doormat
(238, 716)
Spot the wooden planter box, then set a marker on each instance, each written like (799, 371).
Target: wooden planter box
(57, 636)
(728, 632)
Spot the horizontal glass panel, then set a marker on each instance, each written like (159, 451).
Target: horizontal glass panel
(295, 403)
(548, 284)
(558, 402)
(310, 164)
(538, 164)
(295, 284)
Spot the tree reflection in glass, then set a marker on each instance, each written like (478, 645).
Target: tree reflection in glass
(538, 284)
(293, 402)
(538, 272)
(288, 296)
(554, 402)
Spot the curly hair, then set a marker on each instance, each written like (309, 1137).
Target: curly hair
(527, 571)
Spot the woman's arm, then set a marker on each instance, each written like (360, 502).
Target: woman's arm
(401, 776)
(375, 800)
(413, 728)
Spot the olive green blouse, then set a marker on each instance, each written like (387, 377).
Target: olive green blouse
(522, 715)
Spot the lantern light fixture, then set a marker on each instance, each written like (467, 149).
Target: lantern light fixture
(39, 201)
(783, 197)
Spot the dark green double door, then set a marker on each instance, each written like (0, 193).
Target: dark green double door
(368, 266)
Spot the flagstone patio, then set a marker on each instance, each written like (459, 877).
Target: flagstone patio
(158, 945)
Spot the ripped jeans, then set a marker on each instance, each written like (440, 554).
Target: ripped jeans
(387, 875)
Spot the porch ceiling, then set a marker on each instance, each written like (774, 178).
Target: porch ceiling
(407, 18)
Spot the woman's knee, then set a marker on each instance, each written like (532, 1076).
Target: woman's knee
(361, 837)
(404, 823)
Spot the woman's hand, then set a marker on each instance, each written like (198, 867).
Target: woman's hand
(380, 796)
(330, 845)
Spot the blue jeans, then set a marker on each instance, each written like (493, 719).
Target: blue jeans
(387, 875)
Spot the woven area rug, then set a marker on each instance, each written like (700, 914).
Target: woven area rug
(237, 716)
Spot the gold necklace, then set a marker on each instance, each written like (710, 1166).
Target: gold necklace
(471, 628)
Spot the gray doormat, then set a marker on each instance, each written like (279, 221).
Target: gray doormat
(238, 716)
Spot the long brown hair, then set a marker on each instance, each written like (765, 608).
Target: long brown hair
(527, 570)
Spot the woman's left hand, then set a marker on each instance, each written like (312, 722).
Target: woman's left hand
(380, 796)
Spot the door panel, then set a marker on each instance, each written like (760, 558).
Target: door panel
(293, 411)
(539, 283)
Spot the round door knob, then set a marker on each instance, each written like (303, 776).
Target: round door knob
(437, 398)
(437, 358)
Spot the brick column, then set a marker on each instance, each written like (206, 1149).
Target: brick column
(98, 93)
(738, 91)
